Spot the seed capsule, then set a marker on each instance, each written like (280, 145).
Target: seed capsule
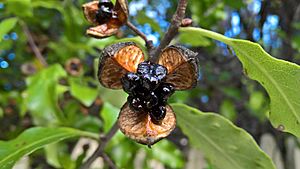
(105, 17)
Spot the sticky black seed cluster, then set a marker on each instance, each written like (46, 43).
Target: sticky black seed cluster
(105, 11)
(147, 89)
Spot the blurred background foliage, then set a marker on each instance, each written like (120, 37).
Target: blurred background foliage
(48, 68)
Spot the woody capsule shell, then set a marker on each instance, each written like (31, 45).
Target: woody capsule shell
(106, 17)
(146, 117)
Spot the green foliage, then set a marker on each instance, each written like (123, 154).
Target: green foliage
(20, 8)
(142, 18)
(161, 152)
(81, 91)
(6, 26)
(41, 96)
(34, 139)
(53, 98)
(197, 40)
(227, 109)
(225, 145)
(280, 78)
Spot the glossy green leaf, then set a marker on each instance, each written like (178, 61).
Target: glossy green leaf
(6, 26)
(81, 91)
(32, 140)
(195, 40)
(224, 144)
(280, 78)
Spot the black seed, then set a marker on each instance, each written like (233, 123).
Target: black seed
(135, 103)
(151, 100)
(143, 68)
(150, 82)
(105, 12)
(146, 90)
(164, 91)
(157, 114)
(140, 91)
(160, 71)
(129, 82)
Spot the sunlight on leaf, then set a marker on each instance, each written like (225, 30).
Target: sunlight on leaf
(280, 78)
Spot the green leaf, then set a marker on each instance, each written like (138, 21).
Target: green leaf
(113, 1)
(6, 26)
(161, 151)
(196, 39)
(227, 109)
(109, 114)
(116, 98)
(1, 112)
(51, 154)
(41, 96)
(21, 8)
(85, 94)
(280, 78)
(32, 140)
(48, 4)
(256, 100)
(237, 4)
(224, 144)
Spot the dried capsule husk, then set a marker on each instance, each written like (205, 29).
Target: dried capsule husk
(121, 8)
(111, 25)
(139, 126)
(117, 60)
(182, 65)
(89, 10)
(102, 31)
(28, 68)
(74, 67)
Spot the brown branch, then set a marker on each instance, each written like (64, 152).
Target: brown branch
(172, 30)
(33, 46)
(149, 43)
(100, 149)
(109, 162)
